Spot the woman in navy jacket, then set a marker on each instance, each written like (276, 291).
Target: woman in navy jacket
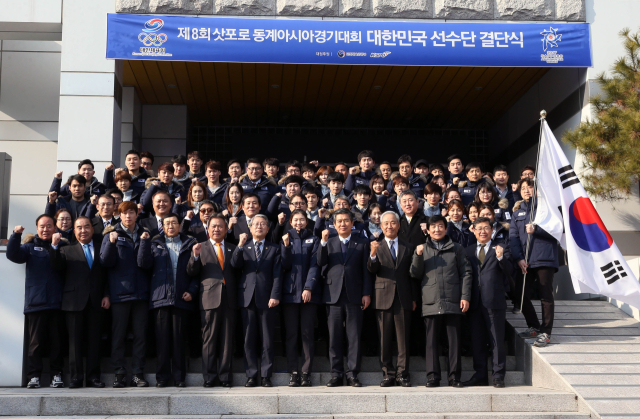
(42, 299)
(486, 194)
(172, 296)
(458, 228)
(128, 285)
(542, 264)
(301, 294)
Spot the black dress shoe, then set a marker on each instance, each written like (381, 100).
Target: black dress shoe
(306, 380)
(181, 384)
(475, 382)
(161, 384)
(225, 384)
(498, 383)
(120, 381)
(455, 383)
(294, 380)
(251, 382)
(335, 382)
(432, 382)
(208, 384)
(353, 382)
(266, 382)
(403, 381)
(75, 384)
(95, 383)
(388, 382)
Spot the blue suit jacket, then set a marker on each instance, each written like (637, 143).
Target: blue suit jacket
(262, 278)
(491, 281)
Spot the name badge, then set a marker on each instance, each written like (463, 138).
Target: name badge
(177, 195)
(507, 215)
(416, 184)
(521, 213)
(466, 191)
(332, 226)
(38, 249)
(160, 247)
(122, 239)
(499, 236)
(309, 241)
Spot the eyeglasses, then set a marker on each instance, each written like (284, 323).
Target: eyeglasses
(253, 169)
(258, 224)
(106, 204)
(67, 219)
(298, 203)
(206, 210)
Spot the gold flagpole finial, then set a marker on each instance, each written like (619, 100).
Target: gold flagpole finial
(543, 114)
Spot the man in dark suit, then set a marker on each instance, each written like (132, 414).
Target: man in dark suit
(394, 299)
(211, 263)
(161, 208)
(242, 225)
(196, 226)
(83, 299)
(259, 293)
(347, 293)
(491, 270)
(106, 206)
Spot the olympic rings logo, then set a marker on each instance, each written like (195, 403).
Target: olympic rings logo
(149, 39)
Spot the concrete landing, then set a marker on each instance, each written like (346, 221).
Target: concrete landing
(594, 351)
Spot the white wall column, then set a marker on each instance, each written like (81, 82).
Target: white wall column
(164, 131)
(131, 123)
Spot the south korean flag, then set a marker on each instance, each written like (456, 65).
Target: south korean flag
(565, 211)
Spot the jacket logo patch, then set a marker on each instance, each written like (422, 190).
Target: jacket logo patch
(416, 184)
(497, 211)
(160, 247)
(309, 241)
(507, 215)
(521, 213)
(38, 249)
(332, 226)
(141, 180)
(122, 239)
(466, 191)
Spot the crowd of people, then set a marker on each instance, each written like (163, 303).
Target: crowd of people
(414, 257)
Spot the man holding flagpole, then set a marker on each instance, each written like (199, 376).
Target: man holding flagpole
(565, 212)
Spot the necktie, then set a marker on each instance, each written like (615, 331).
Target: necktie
(160, 229)
(258, 251)
(392, 250)
(220, 255)
(87, 254)
(344, 245)
(481, 255)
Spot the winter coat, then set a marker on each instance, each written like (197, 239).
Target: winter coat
(146, 199)
(502, 211)
(359, 228)
(360, 178)
(300, 267)
(445, 277)
(467, 190)
(416, 183)
(463, 237)
(543, 247)
(95, 187)
(265, 189)
(138, 183)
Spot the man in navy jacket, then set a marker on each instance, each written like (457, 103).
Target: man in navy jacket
(347, 293)
(258, 294)
(259, 184)
(491, 267)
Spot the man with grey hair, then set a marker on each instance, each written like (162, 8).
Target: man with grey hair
(395, 298)
(260, 290)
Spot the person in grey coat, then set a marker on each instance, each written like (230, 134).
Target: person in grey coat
(446, 275)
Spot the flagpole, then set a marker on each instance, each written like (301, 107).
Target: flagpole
(543, 117)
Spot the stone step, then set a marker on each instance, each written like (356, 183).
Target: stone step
(481, 401)
(465, 415)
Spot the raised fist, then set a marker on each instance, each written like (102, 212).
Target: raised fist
(18, 229)
(325, 235)
(194, 180)
(232, 222)
(156, 182)
(531, 228)
(196, 249)
(55, 239)
(113, 236)
(235, 180)
(279, 194)
(374, 248)
(314, 162)
(225, 213)
(144, 235)
(420, 249)
(353, 170)
(499, 251)
(322, 212)
(178, 200)
(243, 239)
(423, 226)
(94, 199)
(140, 208)
(385, 192)
(52, 197)
(285, 239)
(118, 170)
(282, 218)
(59, 174)
(109, 167)
(190, 215)
(455, 180)
(514, 187)
(325, 202)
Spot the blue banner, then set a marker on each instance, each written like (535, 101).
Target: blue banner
(191, 38)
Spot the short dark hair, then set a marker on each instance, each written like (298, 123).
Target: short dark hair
(78, 178)
(213, 165)
(500, 168)
(208, 202)
(449, 190)
(454, 157)
(421, 162)
(47, 216)
(85, 161)
(234, 161)
(400, 179)
(180, 159)
(170, 215)
(528, 167)
(408, 192)
(133, 151)
(196, 154)
(310, 189)
(299, 195)
(526, 180)
(82, 217)
(435, 166)
(482, 220)
(432, 188)
(436, 219)
(167, 167)
(308, 167)
(271, 161)
(362, 189)
(108, 196)
(161, 192)
(294, 179)
(405, 158)
(473, 165)
(384, 162)
(251, 195)
(294, 163)
(147, 155)
(343, 211)
(336, 177)
(122, 175)
(216, 216)
(374, 206)
(116, 191)
(340, 163)
(296, 212)
(126, 206)
(366, 153)
(254, 160)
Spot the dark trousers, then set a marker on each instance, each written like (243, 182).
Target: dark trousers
(544, 276)
(299, 317)
(487, 333)
(218, 327)
(401, 319)
(80, 325)
(136, 312)
(344, 315)
(45, 329)
(258, 324)
(170, 325)
(433, 325)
